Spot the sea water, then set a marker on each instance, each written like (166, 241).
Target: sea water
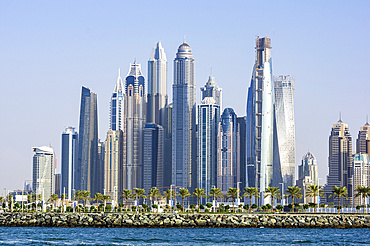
(181, 236)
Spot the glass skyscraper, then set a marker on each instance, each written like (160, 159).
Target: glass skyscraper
(285, 131)
(69, 160)
(86, 170)
(43, 171)
(208, 120)
(211, 89)
(116, 106)
(260, 115)
(134, 119)
(227, 151)
(184, 151)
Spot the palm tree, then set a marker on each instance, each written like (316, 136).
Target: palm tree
(233, 193)
(273, 192)
(183, 193)
(251, 192)
(339, 192)
(126, 194)
(84, 195)
(98, 197)
(215, 193)
(53, 198)
(313, 190)
(139, 193)
(105, 198)
(153, 194)
(293, 192)
(199, 193)
(363, 192)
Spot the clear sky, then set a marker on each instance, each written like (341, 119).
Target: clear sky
(49, 49)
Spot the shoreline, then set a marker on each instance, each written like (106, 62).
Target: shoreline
(167, 220)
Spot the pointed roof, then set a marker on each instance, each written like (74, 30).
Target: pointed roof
(119, 84)
(158, 53)
(309, 156)
(135, 70)
(211, 82)
(208, 100)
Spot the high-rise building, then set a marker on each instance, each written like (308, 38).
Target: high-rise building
(116, 106)
(208, 120)
(361, 174)
(153, 156)
(211, 89)
(227, 171)
(241, 153)
(99, 177)
(363, 140)
(339, 162)
(285, 131)
(69, 160)
(134, 119)
(57, 177)
(43, 171)
(157, 86)
(167, 155)
(87, 165)
(113, 162)
(307, 175)
(260, 115)
(184, 151)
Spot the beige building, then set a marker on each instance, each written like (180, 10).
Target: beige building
(307, 175)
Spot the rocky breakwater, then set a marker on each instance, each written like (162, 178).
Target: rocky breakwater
(185, 220)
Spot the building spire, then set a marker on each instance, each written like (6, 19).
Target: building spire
(184, 40)
(340, 117)
(119, 72)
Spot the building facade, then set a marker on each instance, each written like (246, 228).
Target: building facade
(285, 130)
(241, 152)
(363, 140)
(340, 162)
(113, 160)
(184, 151)
(208, 120)
(69, 160)
(43, 171)
(227, 171)
(211, 89)
(134, 119)
(260, 115)
(87, 164)
(361, 175)
(153, 156)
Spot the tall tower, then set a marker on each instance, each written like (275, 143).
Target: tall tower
(211, 90)
(361, 174)
(116, 106)
(227, 171)
(86, 169)
(285, 129)
(184, 152)
(363, 140)
(260, 116)
(43, 171)
(208, 120)
(307, 175)
(157, 85)
(134, 119)
(340, 161)
(69, 160)
(113, 162)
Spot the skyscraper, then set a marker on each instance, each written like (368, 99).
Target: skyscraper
(87, 165)
(43, 171)
(241, 152)
(167, 155)
(113, 161)
(363, 140)
(260, 117)
(69, 160)
(307, 175)
(157, 86)
(285, 130)
(116, 106)
(340, 162)
(211, 89)
(361, 174)
(153, 156)
(134, 119)
(208, 120)
(184, 152)
(227, 171)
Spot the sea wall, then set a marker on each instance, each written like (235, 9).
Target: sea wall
(185, 220)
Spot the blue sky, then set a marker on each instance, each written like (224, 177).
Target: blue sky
(49, 49)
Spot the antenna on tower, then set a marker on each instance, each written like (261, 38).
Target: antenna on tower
(270, 32)
(367, 119)
(211, 71)
(119, 72)
(340, 116)
(184, 39)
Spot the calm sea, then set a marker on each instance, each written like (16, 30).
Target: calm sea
(175, 236)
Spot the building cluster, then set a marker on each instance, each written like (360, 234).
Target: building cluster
(152, 143)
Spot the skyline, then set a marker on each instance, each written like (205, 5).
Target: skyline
(47, 58)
